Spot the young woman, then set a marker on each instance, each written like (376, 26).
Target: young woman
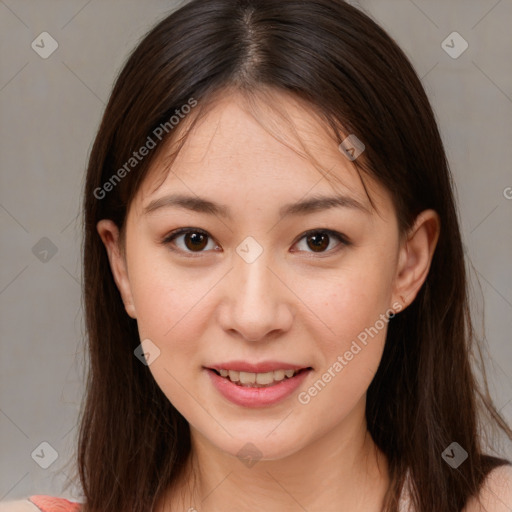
(274, 281)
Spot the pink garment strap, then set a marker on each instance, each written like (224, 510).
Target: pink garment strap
(52, 504)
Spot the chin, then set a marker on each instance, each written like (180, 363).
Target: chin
(258, 447)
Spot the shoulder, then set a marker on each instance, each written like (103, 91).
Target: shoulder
(495, 494)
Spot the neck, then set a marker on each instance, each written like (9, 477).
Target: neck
(341, 470)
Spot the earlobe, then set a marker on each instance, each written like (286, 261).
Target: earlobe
(415, 257)
(109, 233)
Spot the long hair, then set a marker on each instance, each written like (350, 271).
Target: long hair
(133, 443)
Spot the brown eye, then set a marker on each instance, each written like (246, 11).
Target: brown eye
(320, 240)
(189, 240)
(195, 241)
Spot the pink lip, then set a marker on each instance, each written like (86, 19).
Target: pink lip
(264, 367)
(256, 397)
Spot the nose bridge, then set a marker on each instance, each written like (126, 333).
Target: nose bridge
(250, 263)
(253, 277)
(257, 301)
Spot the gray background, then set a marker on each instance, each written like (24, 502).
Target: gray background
(50, 109)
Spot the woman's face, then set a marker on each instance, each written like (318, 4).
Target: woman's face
(247, 286)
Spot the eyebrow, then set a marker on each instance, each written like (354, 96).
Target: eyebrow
(303, 207)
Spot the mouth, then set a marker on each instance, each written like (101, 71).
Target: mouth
(258, 380)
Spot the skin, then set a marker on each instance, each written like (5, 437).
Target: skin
(291, 304)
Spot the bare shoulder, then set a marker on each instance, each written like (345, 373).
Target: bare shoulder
(18, 506)
(496, 492)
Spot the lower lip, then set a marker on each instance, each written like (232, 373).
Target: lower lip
(256, 397)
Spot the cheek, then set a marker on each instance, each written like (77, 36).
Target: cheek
(353, 311)
(171, 314)
(165, 296)
(350, 302)
(356, 311)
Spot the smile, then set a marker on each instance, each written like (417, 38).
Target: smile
(256, 389)
(257, 380)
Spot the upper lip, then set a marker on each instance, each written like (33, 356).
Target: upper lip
(263, 367)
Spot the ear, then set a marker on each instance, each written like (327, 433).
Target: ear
(415, 256)
(109, 233)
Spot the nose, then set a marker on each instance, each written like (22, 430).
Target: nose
(257, 304)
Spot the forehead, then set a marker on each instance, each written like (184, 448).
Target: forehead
(243, 149)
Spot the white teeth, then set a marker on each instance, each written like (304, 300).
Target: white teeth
(233, 375)
(247, 378)
(278, 375)
(260, 379)
(265, 378)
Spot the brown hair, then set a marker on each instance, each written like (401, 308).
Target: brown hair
(132, 442)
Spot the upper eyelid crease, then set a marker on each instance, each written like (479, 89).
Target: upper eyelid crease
(303, 207)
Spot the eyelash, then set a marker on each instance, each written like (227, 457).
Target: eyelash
(177, 232)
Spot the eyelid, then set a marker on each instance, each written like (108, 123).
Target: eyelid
(340, 236)
(180, 231)
(344, 241)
